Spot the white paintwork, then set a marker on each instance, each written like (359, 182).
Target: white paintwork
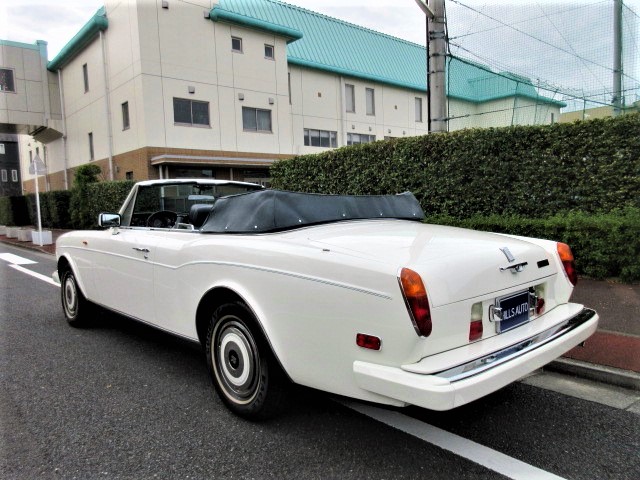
(313, 289)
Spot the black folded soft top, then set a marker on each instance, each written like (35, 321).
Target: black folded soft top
(265, 211)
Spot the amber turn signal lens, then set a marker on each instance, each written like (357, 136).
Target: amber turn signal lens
(415, 296)
(566, 257)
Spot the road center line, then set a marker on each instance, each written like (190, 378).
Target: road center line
(485, 456)
(37, 275)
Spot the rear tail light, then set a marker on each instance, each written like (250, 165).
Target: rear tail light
(566, 257)
(475, 326)
(415, 296)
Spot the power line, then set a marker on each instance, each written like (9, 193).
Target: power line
(527, 20)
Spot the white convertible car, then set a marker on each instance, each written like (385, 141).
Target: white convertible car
(353, 295)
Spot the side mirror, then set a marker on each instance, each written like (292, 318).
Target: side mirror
(108, 220)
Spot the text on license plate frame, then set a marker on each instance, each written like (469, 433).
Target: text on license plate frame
(515, 311)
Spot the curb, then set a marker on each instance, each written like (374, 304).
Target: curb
(599, 373)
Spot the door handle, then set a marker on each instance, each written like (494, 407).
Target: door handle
(143, 250)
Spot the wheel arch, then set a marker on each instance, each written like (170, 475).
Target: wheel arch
(65, 263)
(217, 297)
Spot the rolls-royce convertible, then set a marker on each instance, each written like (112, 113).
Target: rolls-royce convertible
(353, 295)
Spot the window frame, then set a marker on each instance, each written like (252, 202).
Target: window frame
(12, 73)
(370, 138)
(332, 136)
(2, 149)
(85, 77)
(349, 91)
(14, 175)
(91, 149)
(273, 52)
(126, 121)
(257, 130)
(235, 49)
(3, 175)
(418, 103)
(191, 123)
(370, 91)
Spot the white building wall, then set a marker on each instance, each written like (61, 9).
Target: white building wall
(318, 102)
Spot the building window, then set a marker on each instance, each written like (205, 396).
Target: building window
(357, 138)
(14, 175)
(320, 138)
(1, 148)
(256, 120)
(7, 83)
(91, 155)
(85, 76)
(125, 116)
(4, 175)
(350, 97)
(190, 112)
(418, 109)
(371, 101)
(268, 52)
(236, 44)
(128, 176)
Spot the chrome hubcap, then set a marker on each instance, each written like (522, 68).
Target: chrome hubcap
(235, 362)
(70, 296)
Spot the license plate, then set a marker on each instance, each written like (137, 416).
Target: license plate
(515, 311)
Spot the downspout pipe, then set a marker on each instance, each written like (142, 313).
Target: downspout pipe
(64, 130)
(107, 99)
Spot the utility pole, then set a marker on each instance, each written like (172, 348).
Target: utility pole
(617, 58)
(436, 63)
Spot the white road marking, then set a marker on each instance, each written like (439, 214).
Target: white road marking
(37, 275)
(15, 259)
(487, 457)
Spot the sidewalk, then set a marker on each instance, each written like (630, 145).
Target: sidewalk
(611, 355)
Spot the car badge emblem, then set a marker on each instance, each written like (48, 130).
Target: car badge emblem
(508, 254)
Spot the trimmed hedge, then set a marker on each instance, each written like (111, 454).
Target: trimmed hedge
(532, 171)
(605, 245)
(106, 197)
(13, 211)
(54, 209)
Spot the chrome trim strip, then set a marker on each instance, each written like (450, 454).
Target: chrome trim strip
(499, 357)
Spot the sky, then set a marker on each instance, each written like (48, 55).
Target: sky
(557, 42)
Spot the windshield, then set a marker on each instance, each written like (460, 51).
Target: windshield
(177, 199)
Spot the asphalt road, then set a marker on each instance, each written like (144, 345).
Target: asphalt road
(122, 400)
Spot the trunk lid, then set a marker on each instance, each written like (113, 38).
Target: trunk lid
(455, 264)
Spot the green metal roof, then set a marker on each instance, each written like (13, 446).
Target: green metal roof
(11, 43)
(81, 39)
(343, 48)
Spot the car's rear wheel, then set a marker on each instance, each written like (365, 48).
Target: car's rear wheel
(74, 304)
(246, 374)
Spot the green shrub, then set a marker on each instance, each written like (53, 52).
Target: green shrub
(58, 206)
(531, 171)
(85, 175)
(13, 211)
(106, 197)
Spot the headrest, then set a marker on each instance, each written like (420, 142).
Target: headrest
(198, 214)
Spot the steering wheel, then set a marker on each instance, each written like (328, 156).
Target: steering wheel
(162, 219)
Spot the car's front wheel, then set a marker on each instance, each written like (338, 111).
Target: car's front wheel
(245, 373)
(74, 304)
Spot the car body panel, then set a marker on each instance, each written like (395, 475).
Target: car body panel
(314, 289)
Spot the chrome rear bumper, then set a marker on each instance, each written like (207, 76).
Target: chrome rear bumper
(473, 379)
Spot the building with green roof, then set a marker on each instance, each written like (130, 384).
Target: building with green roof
(173, 89)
